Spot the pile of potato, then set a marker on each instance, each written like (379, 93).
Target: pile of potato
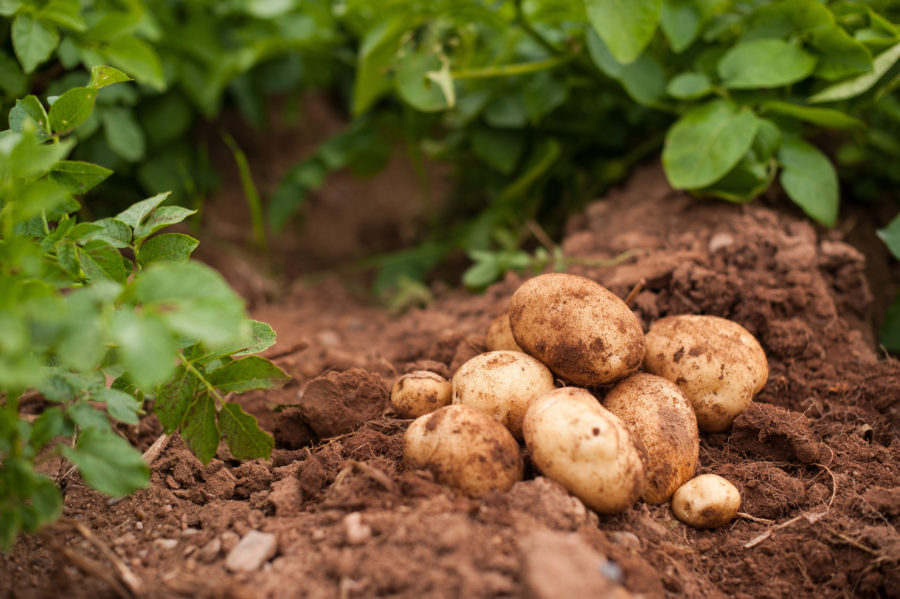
(641, 441)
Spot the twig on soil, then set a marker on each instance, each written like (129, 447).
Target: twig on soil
(812, 518)
(375, 474)
(149, 456)
(637, 289)
(752, 518)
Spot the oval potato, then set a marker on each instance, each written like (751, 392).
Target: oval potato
(658, 413)
(420, 392)
(499, 335)
(464, 448)
(717, 363)
(578, 328)
(578, 443)
(502, 384)
(708, 501)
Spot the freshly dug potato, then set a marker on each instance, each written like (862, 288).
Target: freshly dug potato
(420, 392)
(708, 501)
(464, 448)
(502, 384)
(578, 328)
(578, 443)
(658, 413)
(717, 363)
(499, 335)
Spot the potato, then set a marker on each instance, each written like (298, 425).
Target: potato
(717, 363)
(420, 392)
(658, 413)
(502, 384)
(464, 448)
(499, 335)
(578, 443)
(578, 328)
(708, 501)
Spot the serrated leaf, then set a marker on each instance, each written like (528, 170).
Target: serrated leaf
(108, 463)
(103, 76)
(251, 372)
(133, 215)
(689, 86)
(33, 40)
(809, 179)
(160, 218)
(764, 63)
(101, 260)
(200, 430)
(826, 117)
(168, 247)
(31, 108)
(625, 26)
(71, 109)
(120, 405)
(174, 398)
(137, 58)
(707, 142)
(78, 177)
(241, 432)
(146, 347)
(861, 83)
(890, 235)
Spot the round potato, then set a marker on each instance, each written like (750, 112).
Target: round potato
(420, 392)
(578, 443)
(708, 501)
(717, 363)
(658, 413)
(499, 335)
(578, 328)
(464, 448)
(502, 384)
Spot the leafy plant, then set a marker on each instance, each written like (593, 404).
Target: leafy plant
(100, 320)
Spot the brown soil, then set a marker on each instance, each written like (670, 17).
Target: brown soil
(815, 457)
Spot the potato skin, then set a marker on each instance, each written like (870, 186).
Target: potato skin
(708, 501)
(420, 392)
(499, 335)
(658, 413)
(578, 328)
(717, 363)
(503, 384)
(464, 448)
(578, 443)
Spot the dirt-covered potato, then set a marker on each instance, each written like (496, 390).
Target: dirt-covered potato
(717, 363)
(499, 335)
(658, 413)
(464, 448)
(578, 328)
(502, 384)
(420, 392)
(708, 501)
(580, 444)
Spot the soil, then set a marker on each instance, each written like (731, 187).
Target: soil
(816, 456)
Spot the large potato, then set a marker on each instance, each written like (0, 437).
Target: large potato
(578, 328)
(499, 335)
(717, 363)
(502, 384)
(578, 443)
(464, 448)
(419, 392)
(658, 413)
(708, 501)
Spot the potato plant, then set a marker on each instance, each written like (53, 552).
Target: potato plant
(103, 321)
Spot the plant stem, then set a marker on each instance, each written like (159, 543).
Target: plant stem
(193, 370)
(509, 70)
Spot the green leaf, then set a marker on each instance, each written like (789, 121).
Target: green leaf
(601, 56)
(241, 432)
(644, 80)
(252, 372)
(626, 26)
(263, 336)
(64, 13)
(101, 260)
(108, 463)
(499, 149)
(160, 218)
(146, 347)
(764, 63)
(137, 58)
(9, 7)
(12, 80)
(825, 117)
(787, 17)
(120, 405)
(767, 140)
(414, 79)
(31, 108)
(890, 330)
(71, 109)
(78, 177)
(122, 132)
(199, 428)
(103, 76)
(840, 55)
(707, 142)
(861, 83)
(689, 86)
(809, 179)
(484, 271)
(113, 231)
(174, 398)
(46, 502)
(680, 22)
(137, 212)
(890, 235)
(376, 53)
(48, 426)
(168, 247)
(33, 41)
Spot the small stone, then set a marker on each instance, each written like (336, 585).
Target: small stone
(209, 552)
(719, 241)
(255, 549)
(166, 543)
(187, 532)
(139, 525)
(357, 532)
(625, 539)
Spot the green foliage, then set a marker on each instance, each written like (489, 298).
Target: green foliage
(83, 304)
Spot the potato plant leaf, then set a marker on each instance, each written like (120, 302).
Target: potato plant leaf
(174, 398)
(120, 405)
(860, 84)
(840, 55)
(199, 429)
(103, 76)
(241, 432)
(72, 109)
(764, 63)
(168, 247)
(145, 346)
(689, 86)
(625, 26)
(890, 330)
(137, 212)
(101, 260)
(30, 107)
(108, 463)
(890, 235)
(251, 372)
(160, 218)
(809, 179)
(33, 40)
(824, 117)
(78, 177)
(137, 58)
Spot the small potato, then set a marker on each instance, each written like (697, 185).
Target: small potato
(708, 501)
(578, 328)
(658, 413)
(420, 392)
(502, 384)
(578, 443)
(499, 335)
(464, 448)
(717, 363)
